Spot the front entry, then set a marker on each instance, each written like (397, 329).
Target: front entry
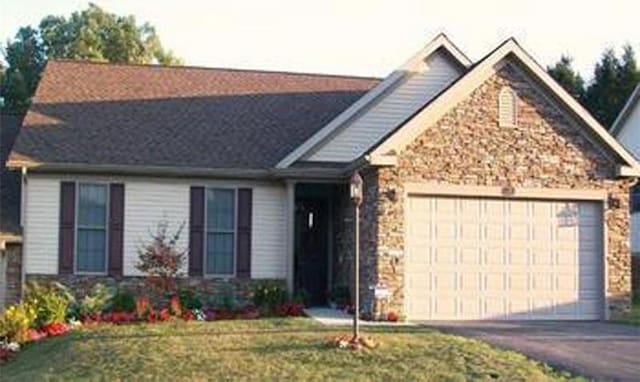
(311, 248)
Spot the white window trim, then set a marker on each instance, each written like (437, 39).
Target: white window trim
(234, 231)
(77, 226)
(513, 93)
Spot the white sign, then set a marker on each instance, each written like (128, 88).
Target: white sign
(381, 292)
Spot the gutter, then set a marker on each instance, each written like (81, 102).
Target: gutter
(180, 172)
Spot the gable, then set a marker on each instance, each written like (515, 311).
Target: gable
(627, 126)
(543, 148)
(508, 52)
(407, 89)
(416, 89)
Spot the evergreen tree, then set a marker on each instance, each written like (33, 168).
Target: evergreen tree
(567, 77)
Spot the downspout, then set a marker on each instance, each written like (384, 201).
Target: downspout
(23, 210)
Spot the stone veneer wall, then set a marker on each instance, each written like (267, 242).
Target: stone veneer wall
(13, 291)
(467, 147)
(210, 288)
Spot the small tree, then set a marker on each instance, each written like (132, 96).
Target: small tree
(161, 259)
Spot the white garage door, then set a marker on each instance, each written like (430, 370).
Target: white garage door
(474, 258)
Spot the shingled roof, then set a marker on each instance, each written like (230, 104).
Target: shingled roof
(144, 115)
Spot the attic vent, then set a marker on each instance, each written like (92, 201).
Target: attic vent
(507, 107)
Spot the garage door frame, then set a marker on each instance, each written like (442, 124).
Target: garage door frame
(427, 189)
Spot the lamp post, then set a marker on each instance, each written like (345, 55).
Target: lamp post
(356, 197)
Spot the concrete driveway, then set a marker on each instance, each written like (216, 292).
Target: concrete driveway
(598, 350)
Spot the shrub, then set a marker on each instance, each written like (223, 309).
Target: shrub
(189, 299)
(16, 321)
(268, 296)
(50, 302)
(161, 259)
(97, 301)
(341, 295)
(301, 297)
(291, 309)
(123, 301)
(143, 307)
(174, 306)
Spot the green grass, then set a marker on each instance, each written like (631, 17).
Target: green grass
(269, 349)
(633, 316)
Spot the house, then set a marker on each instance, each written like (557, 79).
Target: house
(489, 193)
(626, 128)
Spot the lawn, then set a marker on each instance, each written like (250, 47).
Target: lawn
(269, 349)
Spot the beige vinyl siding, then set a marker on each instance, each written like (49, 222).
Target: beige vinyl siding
(629, 136)
(41, 225)
(390, 111)
(147, 202)
(268, 254)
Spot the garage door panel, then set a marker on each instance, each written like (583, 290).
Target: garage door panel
(470, 256)
(470, 281)
(518, 282)
(503, 259)
(518, 255)
(444, 255)
(445, 281)
(542, 256)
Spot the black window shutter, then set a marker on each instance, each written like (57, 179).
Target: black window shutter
(66, 243)
(196, 232)
(243, 229)
(116, 228)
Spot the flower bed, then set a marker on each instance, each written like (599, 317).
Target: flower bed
(52, 311)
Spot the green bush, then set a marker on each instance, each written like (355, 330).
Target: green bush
(97, 301)
(123, 301)
(189, 299)
(301, 297)
(16, 321)
(341, 295)
(268, 296)
(50, 302)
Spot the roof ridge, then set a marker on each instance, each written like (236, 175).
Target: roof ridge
(209, 68)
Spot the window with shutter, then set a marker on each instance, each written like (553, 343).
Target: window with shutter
(220, 242)
(91, 228)
(507, 107)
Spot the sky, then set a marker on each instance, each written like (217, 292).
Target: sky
(359, 37)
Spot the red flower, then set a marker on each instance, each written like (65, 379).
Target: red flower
(165, 314)
(187, 315)
(392, 316)
(36, 335)
(174, 306)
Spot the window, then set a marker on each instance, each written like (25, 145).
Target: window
(91, 235)
(635, 199)
(221, 232)
(507, 107)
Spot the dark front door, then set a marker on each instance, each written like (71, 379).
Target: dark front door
(311, 257)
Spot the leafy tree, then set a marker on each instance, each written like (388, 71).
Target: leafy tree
(91, 34)
(26, 59)
(567, 77)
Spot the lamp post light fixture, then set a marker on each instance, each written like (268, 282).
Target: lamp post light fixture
(355, 187)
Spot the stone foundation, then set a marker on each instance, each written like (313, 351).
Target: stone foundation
(13, 290)
(209, 288)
